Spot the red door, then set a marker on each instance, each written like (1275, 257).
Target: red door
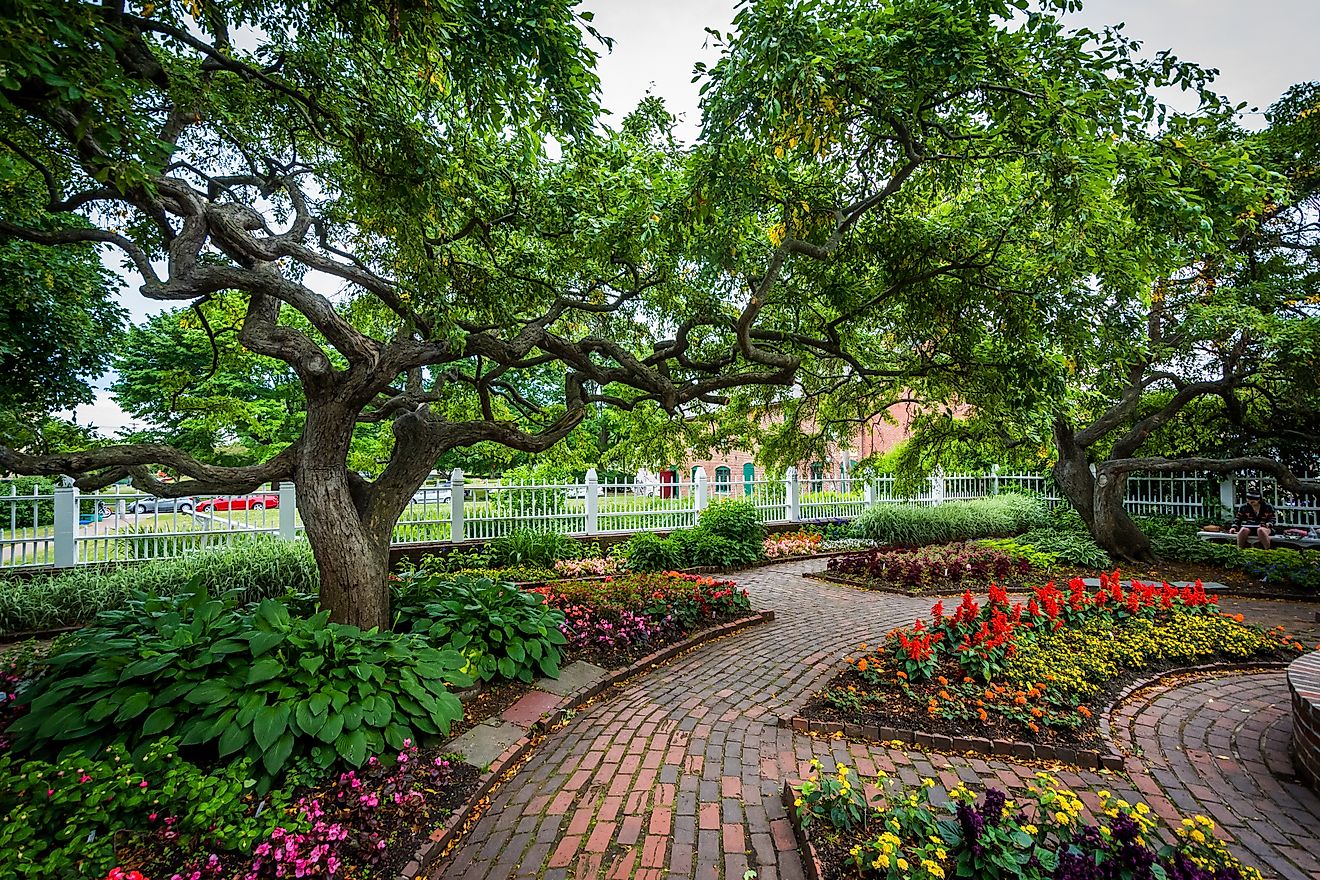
(667, 480)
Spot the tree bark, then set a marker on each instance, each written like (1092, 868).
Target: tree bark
(1098, 500)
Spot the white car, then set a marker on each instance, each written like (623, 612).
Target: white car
(581, 491)
(433, 495)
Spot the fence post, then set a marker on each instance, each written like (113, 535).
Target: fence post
(456, 505)
(994, 476)
(593, 512)
(845, 472)
(66, 526)
(937, 488)
(1227, 498)
(288, 511)
(699, 489)
(868, 493)
(792, 496)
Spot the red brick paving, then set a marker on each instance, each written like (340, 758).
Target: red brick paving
(678, 775)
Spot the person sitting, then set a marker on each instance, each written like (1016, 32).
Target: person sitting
(1254, 517)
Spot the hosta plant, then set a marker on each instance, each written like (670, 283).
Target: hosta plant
(255, 682)
(502, 630)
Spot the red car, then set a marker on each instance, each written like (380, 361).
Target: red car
(240, 502)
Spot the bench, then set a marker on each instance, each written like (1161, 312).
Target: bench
(1291, 542)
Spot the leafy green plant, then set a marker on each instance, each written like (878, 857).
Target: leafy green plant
(993, 517)
(257, 567)
(256, 682)
(530, 547)
(838, 800)
(737, 525)
(63, 818)
(501, 630)
(1034, 556)
(646, 551)
(1067, 546)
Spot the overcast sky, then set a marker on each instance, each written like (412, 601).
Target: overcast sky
(1259, 47)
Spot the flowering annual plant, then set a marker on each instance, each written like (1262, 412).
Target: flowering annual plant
(1041, 835)
(800, 543)
(594, 566)
(838, 799)
(930, 567)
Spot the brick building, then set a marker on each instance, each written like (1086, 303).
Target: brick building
(730, 472)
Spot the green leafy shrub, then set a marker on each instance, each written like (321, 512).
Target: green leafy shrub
(646, 551)
(21, 487)
(257, 567)
(501, 629)
(737, 525)
(998, 516)
(527, 547)
(1292, 568)
(255, 682)
(64, 818)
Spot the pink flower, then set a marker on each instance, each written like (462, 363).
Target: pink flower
(84, 778)
(49, 792)
(142, 784)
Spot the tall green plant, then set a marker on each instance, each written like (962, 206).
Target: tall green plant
(257, 683)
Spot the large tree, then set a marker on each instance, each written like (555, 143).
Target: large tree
(377, 169)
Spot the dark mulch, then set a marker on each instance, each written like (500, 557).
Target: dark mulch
(887, 706)
(832, 852)
(943, 587)
(490, 700)
(1239, 582)
(439, 807)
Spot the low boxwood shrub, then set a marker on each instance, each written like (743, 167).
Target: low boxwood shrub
(253, 682)
(500, 629)
(729, 534)
(256, 567)
(998, 516)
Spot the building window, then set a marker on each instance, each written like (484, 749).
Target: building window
(817, 476)
(723, 476)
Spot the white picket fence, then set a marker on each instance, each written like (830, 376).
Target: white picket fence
(63, 528)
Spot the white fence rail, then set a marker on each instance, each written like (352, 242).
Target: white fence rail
(61, 528)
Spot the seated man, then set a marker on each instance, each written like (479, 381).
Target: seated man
(1254, 517)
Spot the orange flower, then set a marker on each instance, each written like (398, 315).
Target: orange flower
(1084, 712)
(902, 675)
(967, 679)
(943, 681)
(851, 661)
(1019, 700)
(944, 695)
(1036, 713)
(1239, 618)
(861, 665)
(989, 694)
(1034, 727)
(980, 713)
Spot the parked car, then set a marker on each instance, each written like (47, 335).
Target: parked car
(165, 505)
(581, 491)
(260, 501)
(441, 494)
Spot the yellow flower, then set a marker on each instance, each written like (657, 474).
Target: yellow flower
(1030, 829)
(902, 864)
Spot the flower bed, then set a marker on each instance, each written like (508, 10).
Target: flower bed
(789, 544)
(1038, 670)
(1041, 833)
(946, 568)
(203, 739)
(614, 621)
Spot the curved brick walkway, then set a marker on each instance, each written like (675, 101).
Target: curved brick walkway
(1218, 745)
(678, 775)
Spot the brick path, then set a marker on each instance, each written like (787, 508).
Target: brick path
(678, 775)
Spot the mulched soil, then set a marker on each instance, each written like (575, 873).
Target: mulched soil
(832, 851)
(890, 707)
(942, 587)
(1239, 582)
(439, 806)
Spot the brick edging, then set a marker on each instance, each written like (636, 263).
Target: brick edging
(453, 827)
(811, 865)
(1079, 756)
(1304, 689)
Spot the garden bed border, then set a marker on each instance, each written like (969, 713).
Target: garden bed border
(811, 865)
(453, 828)
(1078, 756)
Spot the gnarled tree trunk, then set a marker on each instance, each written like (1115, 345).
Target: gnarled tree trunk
(1098, 499)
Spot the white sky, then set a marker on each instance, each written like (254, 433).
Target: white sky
(1259, 47)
